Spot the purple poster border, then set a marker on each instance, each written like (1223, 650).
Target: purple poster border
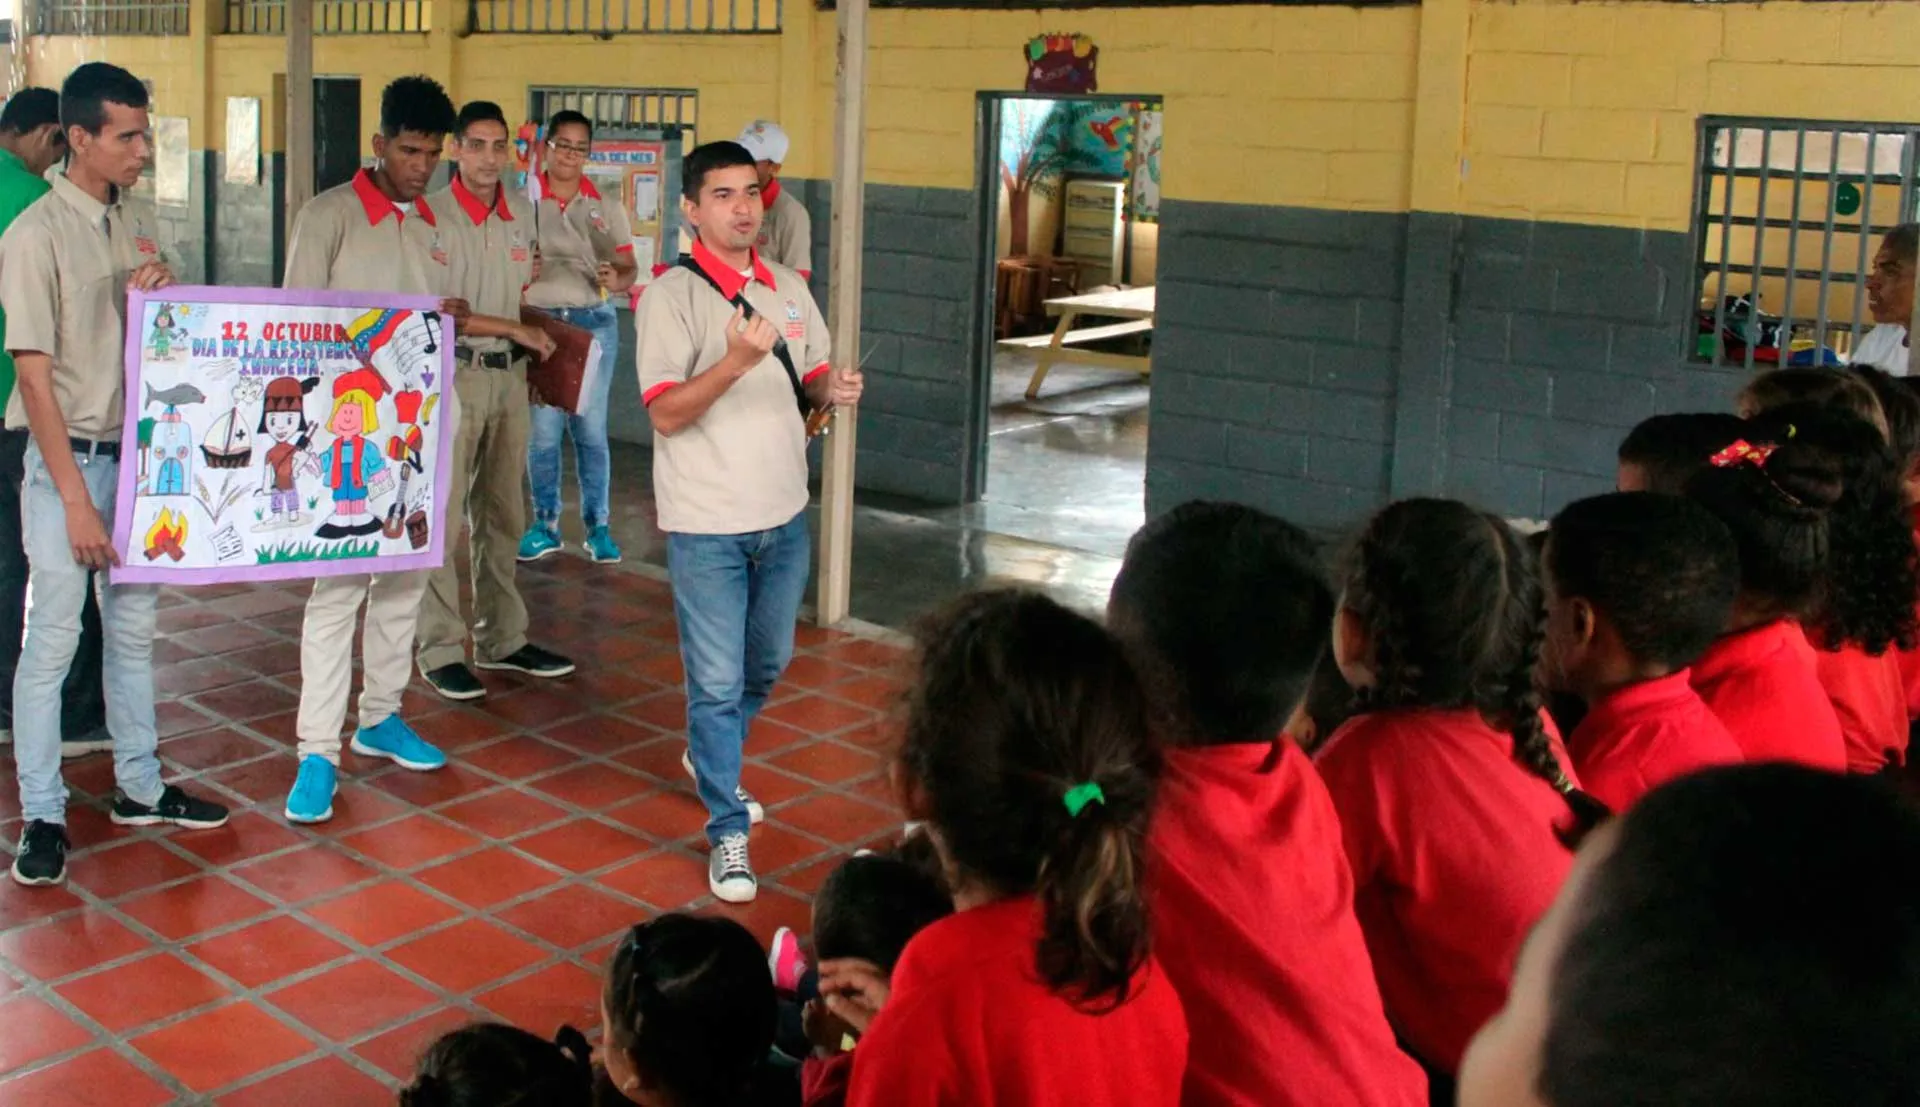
(129, 573)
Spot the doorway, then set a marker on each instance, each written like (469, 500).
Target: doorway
(1069, 187)
(337, 139)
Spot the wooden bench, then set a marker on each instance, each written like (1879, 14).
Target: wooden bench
(1134, 306)
(1079, 337)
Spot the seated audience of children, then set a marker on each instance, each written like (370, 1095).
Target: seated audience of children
(1228, 614)
(1663, 453)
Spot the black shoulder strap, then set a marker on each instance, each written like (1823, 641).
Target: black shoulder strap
(780, 350)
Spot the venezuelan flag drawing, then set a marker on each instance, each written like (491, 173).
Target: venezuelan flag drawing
(372, 331)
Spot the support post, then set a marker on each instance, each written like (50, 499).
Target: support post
(299, 135)
(832, 604)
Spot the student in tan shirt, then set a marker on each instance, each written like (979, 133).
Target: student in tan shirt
(730, 475)
(65, 267)
(586, 255)
(786, 235)
(490, 241)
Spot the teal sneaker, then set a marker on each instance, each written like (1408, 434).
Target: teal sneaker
(394, 740)
(311, 800)
(541, 540)
(600, 546)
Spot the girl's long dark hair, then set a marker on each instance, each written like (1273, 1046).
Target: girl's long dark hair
(494, 1065)
(1017, 703)
(1451, 600)
(690, 1001)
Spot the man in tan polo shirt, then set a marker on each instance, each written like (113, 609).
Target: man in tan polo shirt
(730, 474)
(490, 242)
(65, 267)
(786, 235)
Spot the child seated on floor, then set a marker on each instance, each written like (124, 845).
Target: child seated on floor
(1227, 613)
(1835, 389)
(1746, 937)
(1638, 586)
(688, 1014)
(1663, 453)
(492, 1065)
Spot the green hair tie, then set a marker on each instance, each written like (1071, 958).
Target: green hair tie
(1080, 795)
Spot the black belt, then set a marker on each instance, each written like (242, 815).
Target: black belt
(82, 447)
(490, 359)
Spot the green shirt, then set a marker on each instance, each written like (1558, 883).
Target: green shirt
(19, 188)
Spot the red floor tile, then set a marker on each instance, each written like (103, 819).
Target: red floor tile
(382, 913)
(776, 847)
(455, 781)
(488, 877)
(771, 786)
(666, 711)
(668, 881)
(276, 659)
(584, 845)
(865, 653)
(305, 874)
(354, 999)
(467, 955)
(670, 816)
(811, 671)
(32, 1030)
(838, 818)
(609, 686)
(267, 951)
(806, 879)
(214, 749)
(397, 1051)
(66, 945)
(517, 758)
(411, 842)
(243, 702)
(503, 813)
(663, 668)
(457, 728)
(593, 786)
(257, 602)
(247, 835)
(574, 916)
(357, 805)
(880, 693)
(328, 1082)
(818, 714)
(601, 735)
(828, 762)
(176, 717)
(659, 759)
(536, 707)
(195, 907)
(227, 638)
(201, 675)
(20, 906)
(214, 1049)
(767, 737)
(769, 911)
(563, 994)
(144, 991)
(100, 1078)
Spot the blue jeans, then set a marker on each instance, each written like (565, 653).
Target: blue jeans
(736, 597)
(589, 432)
(56, 592)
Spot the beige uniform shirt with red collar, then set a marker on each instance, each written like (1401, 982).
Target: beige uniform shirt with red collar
(575, 237)
(742, 466)
(352, 238)
(786, 235)
(490, 250)
(64, 265)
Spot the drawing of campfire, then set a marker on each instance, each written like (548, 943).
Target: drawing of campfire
(167, 535)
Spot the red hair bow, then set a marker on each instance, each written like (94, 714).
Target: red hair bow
(1742, 453)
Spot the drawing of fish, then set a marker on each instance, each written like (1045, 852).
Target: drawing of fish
(175, 396)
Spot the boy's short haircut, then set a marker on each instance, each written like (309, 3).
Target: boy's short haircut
(569, 117)
(1670, 449)
(871, 906)
(1229, 608)
(30, 109)
(708, 158)
(1753, 940)
(1662, 570)
(479, 111)
(416, 104)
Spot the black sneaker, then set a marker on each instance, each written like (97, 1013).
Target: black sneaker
(533, 661)
(43, 855)
(456, 682)
(175, 808)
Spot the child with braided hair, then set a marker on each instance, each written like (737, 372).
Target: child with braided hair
(1454, 802)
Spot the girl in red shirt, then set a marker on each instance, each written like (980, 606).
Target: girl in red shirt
(1027, 755)
(1451, 792)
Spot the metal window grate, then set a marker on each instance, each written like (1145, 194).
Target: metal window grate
(1788, 214)
(107, 17)
(621, 107)
(331, 17)
(623, 17)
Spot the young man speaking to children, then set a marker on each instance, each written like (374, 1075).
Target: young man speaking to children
(730, 474)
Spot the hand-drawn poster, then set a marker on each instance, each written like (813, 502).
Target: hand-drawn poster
(282, 434)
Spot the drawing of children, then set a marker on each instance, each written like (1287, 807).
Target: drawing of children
(351, 468)
(166, 336)
(283, 418)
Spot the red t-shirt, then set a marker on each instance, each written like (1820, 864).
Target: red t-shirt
(1870, 695)
(1638, 738)
(1764, 685)
(1454, 856)
(970, 1024)
(1253, 921)
(1910, 659)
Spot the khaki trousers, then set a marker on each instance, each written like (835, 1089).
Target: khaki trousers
(489, 482)
(326, 654)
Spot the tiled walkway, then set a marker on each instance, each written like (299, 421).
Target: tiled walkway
(263, 964)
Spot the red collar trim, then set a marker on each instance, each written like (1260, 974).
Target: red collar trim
(379, 205)
(730, 282)
(586, 189)
(770, 193)
(476, 210)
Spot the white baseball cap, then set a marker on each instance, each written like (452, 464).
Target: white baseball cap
(765, 141)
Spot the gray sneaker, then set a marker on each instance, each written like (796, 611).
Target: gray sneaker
(730, 873)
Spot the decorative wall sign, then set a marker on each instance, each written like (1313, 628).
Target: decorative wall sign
(1062, 64)
(243, 140)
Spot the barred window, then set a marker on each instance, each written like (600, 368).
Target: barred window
(1788, 214)
(620, 107)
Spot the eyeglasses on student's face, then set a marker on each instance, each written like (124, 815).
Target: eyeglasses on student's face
(572, 149)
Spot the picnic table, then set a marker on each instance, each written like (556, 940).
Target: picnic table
(1134, 307)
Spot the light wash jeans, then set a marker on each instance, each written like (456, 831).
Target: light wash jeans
(736, 597)
(56, 591)
(589, 432)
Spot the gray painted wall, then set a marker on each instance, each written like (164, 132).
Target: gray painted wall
(249, 245)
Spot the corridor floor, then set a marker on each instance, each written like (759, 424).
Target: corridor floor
(265, 964)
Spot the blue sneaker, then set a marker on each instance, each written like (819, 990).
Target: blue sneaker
(311, 800)
(394, 740)
(541, 540)
(600, 546)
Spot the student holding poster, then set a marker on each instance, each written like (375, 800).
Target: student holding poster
(65, 267)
